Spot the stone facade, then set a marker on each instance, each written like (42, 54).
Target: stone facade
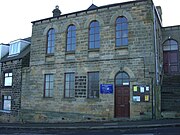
(14, 66)
(14, 91)
(138, 60)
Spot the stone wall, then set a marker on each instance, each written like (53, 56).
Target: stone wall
(137, 59)
(14, 91)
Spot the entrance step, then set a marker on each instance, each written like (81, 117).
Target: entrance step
(170, 114)
(170, 95)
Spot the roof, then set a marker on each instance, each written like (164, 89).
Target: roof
(22, 54)
(27, 39)
(92, 7)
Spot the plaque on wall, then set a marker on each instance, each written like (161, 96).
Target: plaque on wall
(106, 88)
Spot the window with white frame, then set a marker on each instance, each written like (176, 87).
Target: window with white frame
(8, 79)
(6, 103)
(14, 49)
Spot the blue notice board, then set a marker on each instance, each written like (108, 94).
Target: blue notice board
(106, 88)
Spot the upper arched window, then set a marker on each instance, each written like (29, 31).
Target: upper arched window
(71, 38)
(121, 31)
(170, 45)
(94, 35)
(50, 41)
(122, 78)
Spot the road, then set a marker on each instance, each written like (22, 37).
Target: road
(138, 131)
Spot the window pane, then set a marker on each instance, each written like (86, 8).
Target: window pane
(97, 37)
(97, 44)
(124, 26)
(46, 93)
(118, 27)
(124, 41)
(174, 47)
(93, 85)
(7, 105)
(97, 30)
(51, 78)
(8, 81)
(50, 41)
(71, 38)
(73, 47)
(67, 93)
(91, 45)
(69, 85)
(118, 42)
(49, 83)
(118, 34)
(124, 33)
(91, 37)
(124, 20)
(94, 36)
(51, 93)
(51, 86)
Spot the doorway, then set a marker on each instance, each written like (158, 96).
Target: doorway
(122, 95)
(170, 57)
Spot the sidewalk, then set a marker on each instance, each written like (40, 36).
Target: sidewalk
(95, 125)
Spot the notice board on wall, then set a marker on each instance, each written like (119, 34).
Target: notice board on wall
(141, 93)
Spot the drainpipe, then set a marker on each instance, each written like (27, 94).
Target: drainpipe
(156, 65)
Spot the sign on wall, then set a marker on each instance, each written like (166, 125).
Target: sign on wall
(141, 93)
(106, 88)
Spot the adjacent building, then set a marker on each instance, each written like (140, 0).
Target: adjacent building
(14, 57)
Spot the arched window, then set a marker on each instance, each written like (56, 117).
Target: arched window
(122, 78)
(94, 35)
(50, 41)
(71, 38)
(170, 45)
(121, 31)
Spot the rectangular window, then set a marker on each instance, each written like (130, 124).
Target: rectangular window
(6, 103)
(93, 85)
(8, 79)
(48, 85)
(69, 85)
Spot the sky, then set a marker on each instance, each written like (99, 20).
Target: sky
(17, 15)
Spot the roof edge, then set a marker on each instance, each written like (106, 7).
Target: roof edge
(105, 6)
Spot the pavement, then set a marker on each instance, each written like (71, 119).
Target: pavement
(95, 125)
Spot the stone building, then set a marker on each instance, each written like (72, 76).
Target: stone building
(14, 57)
(96, 64)
(103, 63)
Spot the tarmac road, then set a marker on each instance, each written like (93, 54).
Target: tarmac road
(137, 131)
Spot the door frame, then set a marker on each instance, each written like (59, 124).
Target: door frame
(168, 65)
(115, 93)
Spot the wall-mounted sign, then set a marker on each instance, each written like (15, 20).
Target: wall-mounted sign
(141, 93)
(136, 98)
(106, 88)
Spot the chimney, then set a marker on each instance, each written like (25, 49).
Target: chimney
(56, 12)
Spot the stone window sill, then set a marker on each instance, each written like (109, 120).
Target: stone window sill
(68, 99)
(121, 47)
(4, 111)
(93, 100)
(94, 50)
